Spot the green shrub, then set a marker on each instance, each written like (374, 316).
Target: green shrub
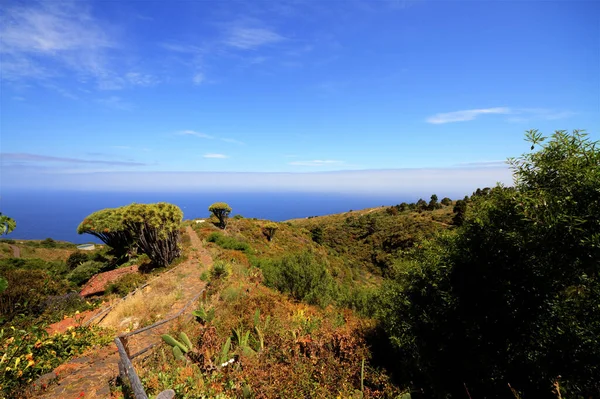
(220, 269)
(125, 284)
(300, 275)
(227, 242)
(33, 353)
(76, 259)
(48, 243)
(58, 306)
(82, 273)
(27, 291)
(513, 296)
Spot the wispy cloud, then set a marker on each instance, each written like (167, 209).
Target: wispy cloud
(196, 134)
(316, 162)
(530, 114)
(247, 38)
(36, 37)
(198, 78)
(465, 115)
(517, 114)
(452, 182)
(116, 102)
(47, 40)
(479, 164)
(36, 158)
(216, 156)
(209, 137)
(141, 79)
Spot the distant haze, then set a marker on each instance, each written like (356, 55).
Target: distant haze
(455, 180)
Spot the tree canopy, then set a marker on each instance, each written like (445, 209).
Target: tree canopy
(270, 229)
(152, 229)
(512, 296)
(221, 210)
(7, 224)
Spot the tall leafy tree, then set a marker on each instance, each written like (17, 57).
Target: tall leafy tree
(152, 229)
(156, 230)
(221, 210)
(513, 296)
(107, 225)
(7, 224)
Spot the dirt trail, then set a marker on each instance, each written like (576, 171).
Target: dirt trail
(15, 250)
(88, 376)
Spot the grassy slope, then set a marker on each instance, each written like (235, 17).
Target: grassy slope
(371, 239)
(307, 351)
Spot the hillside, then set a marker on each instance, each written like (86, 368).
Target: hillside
(377, 303)
(372, 239)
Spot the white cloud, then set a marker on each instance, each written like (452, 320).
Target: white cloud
(465, 115)
(316, 162)
(216, 156)
(530, 114)
(116, 102)
(250, 38)
(454, 182)
(37, 37)
(194, 133)
(198, 78)
(141, 79)
(517, 114)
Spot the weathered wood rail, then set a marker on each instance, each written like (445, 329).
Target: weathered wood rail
(127, 371)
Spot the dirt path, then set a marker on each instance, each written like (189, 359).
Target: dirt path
(88, 376)
(15, 250)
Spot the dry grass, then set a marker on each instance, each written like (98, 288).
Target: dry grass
(147, 306)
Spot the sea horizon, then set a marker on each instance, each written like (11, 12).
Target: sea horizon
(56, 215)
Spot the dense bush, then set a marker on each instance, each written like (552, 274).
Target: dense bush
(82, 273)
(33, 353)
(58, 306)
(301, 276)
(124, 285)
(77, 258)
(513, 297)
(54, 268)
(220, 269)
(27, 292)
(227, 242)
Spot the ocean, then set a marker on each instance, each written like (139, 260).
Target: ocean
(41, 215)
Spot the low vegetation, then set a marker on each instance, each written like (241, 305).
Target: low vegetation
(491, 295)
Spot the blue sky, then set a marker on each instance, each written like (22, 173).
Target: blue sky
(344, 96)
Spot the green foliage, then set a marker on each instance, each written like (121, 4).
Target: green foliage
(300, 275)
(179, 347)
(125, 284)
(221, 211)
(107, 225)
(446, 201)
(3, 284)
(226, 242)
(28, 354)
(460, 209)
(203, 315)
(220, 270)
(270, 229)
(6, 224)
(27, 292)
(152, 229)
(76, 259)
(82, 273)
(512, 297)
(224, 355)
(433, 203)
(317, 234)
